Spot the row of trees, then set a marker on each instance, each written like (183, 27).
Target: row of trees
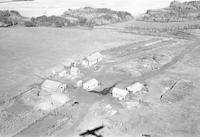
(176, 12)
(54, 21)
(165, 29)
(80, 17)
(97, 16)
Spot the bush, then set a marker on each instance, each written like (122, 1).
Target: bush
(59, 24)
(55, 21)
(82, 21)
(29, 24)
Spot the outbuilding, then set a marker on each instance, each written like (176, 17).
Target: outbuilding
(92, 59)
(91, 84)
(79, 83)
(74, 71)
(119, 93)
(53, 86)
(62, 73)
(135, 87)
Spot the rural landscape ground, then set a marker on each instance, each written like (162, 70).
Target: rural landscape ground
(167, 63)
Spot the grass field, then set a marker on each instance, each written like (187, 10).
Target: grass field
(26, 51)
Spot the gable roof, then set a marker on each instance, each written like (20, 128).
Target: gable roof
(74, 69)
(135, 87)
(91, 81)
(120, 91)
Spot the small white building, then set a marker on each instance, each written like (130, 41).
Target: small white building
(62, 73)
(91, 84)
(135, 87)
(92, 59)
(119, 93)
(79, 83)
(53, 86)
(74, 71)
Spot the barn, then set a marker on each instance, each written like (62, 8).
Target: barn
(92, 59)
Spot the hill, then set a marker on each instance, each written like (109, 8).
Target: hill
(176, 12)
(78, 17)
(97, 16)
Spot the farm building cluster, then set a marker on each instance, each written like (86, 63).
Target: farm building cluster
(54, 89)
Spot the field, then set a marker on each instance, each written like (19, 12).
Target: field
(26, 52)
(168, 107)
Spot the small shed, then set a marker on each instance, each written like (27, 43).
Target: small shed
(79, 83)
(62, 73)
(53, 86)
(135, 87)
(91, 84)
(119, 93)
(74, 71)
(92, 59)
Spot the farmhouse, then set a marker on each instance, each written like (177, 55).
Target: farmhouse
(119, 93)
(91, 84)
(53, 86)
(135, 87)
(92, 59)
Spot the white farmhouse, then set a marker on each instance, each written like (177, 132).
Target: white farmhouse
(135, 87)
(92, 59)
(119, 93)
(91, 84)
(53, 86)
